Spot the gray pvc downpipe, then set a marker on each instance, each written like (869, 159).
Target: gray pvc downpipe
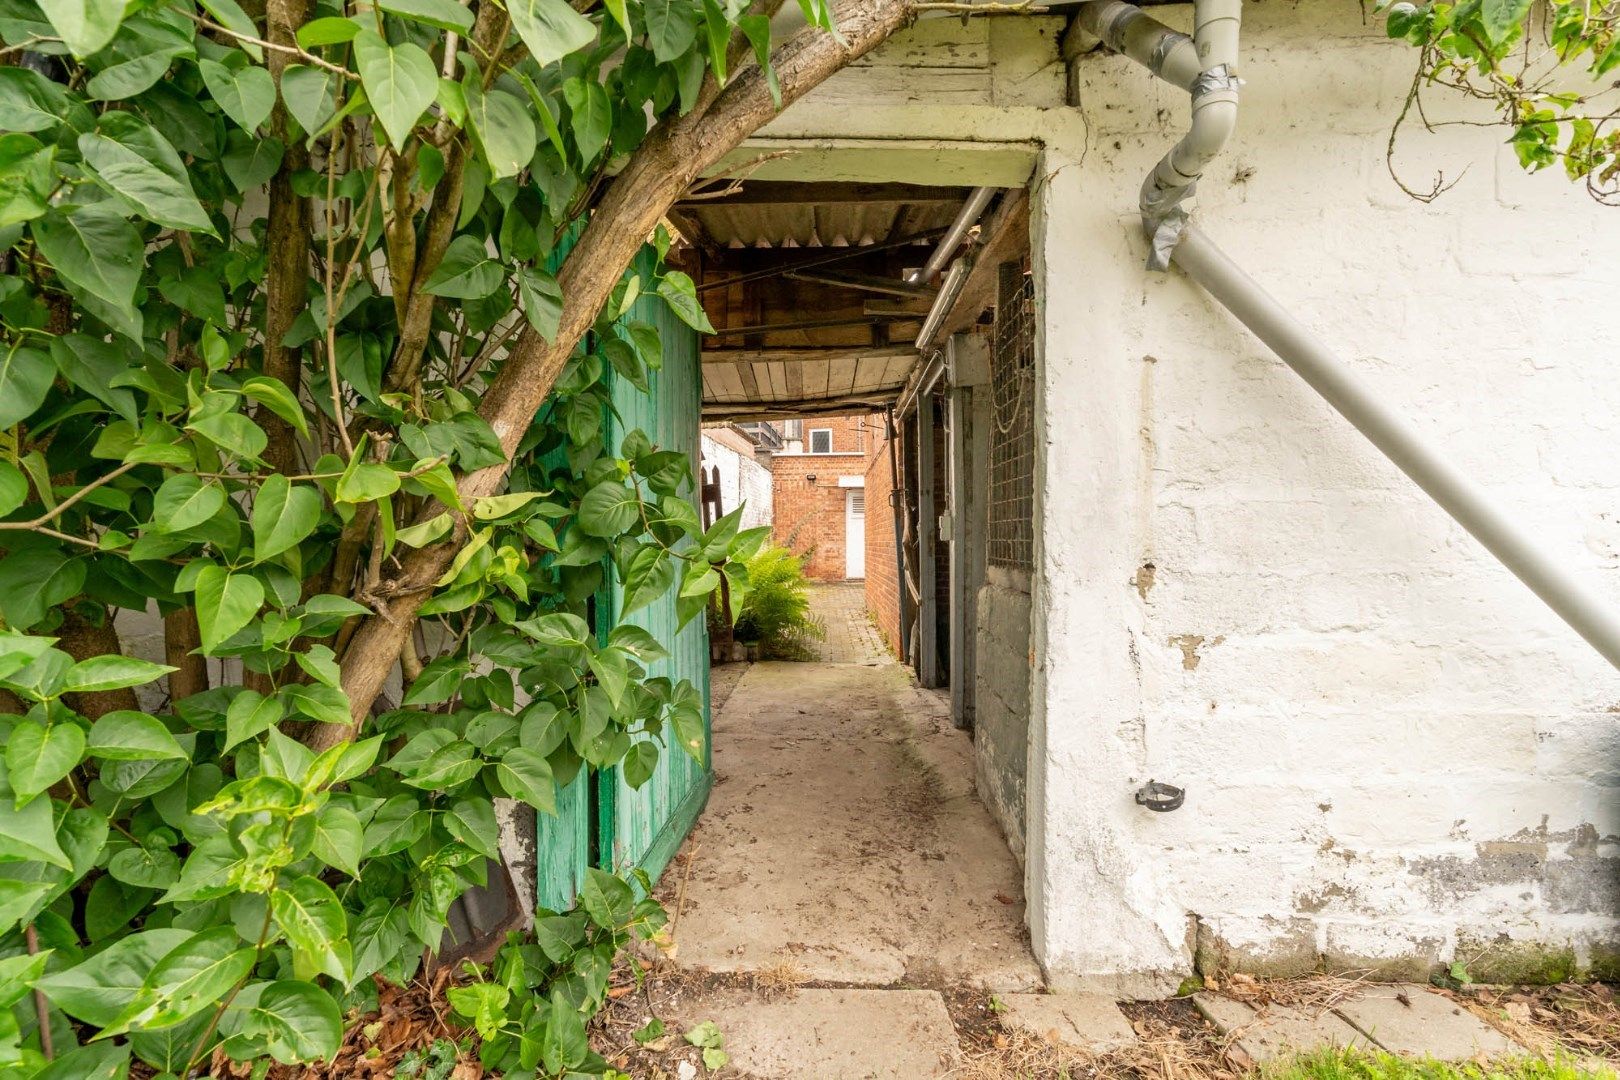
(1164, 52)
(1206, 66)
(1577, 604)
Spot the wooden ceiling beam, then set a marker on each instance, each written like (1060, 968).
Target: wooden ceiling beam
(865, 283)
(753, 264)
(800, 355)
(1004, 238)
(792, 192)
(849, 405)
(807, 324)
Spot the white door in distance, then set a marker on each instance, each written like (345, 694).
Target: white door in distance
(855, 533)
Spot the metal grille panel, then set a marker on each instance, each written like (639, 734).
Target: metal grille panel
(1012, 446)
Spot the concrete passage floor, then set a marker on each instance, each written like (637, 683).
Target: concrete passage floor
(844, 843)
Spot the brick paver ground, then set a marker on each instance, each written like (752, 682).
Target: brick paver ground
(852, 638)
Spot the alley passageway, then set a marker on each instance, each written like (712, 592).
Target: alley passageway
(844, 849)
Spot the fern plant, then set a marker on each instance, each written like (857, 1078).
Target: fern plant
(776, 612)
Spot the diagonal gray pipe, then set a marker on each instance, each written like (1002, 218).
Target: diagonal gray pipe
(1128, 30)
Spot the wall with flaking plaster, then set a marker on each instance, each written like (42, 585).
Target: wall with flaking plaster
(1394, 755)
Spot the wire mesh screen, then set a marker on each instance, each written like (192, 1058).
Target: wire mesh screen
(1012, 443)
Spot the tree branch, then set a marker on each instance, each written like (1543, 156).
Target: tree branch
(657, 174)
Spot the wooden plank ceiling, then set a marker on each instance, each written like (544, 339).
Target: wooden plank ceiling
(805, 285)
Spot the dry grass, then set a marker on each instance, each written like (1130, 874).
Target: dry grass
(1174, 1044)
(780, 978)
(1311, 994)
(1573, 1020)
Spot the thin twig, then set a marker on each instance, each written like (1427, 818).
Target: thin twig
(291, 50)
(42, 1007)
(62, 506)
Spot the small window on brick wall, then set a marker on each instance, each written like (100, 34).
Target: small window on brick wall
(821, 440)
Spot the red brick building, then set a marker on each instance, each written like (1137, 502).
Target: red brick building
(819, 493)
(882, 574)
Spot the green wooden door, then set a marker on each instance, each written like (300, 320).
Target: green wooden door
(644, 827)
(639, 828)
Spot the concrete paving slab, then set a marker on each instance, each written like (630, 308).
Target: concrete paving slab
(1411, 1019)
(843, 841)
(1279, 1031)
(842, 1034)
(1081, 1021)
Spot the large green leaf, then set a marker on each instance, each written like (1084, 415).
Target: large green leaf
(92, 364)
(196, 974)
(184, 501)
(138, 165)
(98, 1061)
(232, 431)
(503, 128)
(226, 602)
(35, 579)
(85, 25)
(146, 45)
(25, 378)
(308, 92)
(13, 484)
(340, 840)
(400, 81)
(28, 174)
(472, 821)
(541, 299)
(379, 934)
(551, 29)
(309, 913)
(126, 735)
(17, 651)
(247, 94)
(294, 1021)
(671, 27)
(103, 986)
(112, 672)
(590, 115)
(445, 14)
(29, 101)
(38, 756)
(283, 514)
(96, 251)
(680, 294)
(526, 775)
(607, 899)
(609, 509)
(1502, 17)
(29, 834)
(467, 271)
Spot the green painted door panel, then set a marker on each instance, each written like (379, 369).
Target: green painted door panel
(639, 827)
(643, 827)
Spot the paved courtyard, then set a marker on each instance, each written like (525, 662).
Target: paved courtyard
(852, 638)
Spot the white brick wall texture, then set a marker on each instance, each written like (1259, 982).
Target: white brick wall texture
(1394, 755)
(743, 482)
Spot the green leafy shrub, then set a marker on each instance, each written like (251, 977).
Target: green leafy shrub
(288, 360)
(776, 611)
(531, 1005)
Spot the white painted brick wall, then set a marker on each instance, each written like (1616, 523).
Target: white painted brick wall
(743, 482)
(1374, 703)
